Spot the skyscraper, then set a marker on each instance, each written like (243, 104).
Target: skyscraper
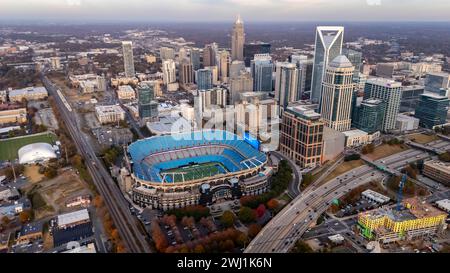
(251, 49)
(128, 59)
(301, 136)
(169, 71)
(236, 67)
(437, 81)
(186, 72)
(195, 58)
(204, 79)
(328, 46)
(262, 68)
(224, 66)
(390, 92)
(369, 115)
(432, 110)
(286, 83)
(337, 94)
(166, 53)
(355, 57)
(305, 68)
(240, 84)
(209, 55)
(147, 107)
(238, 40)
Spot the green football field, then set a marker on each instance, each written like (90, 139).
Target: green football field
(194, 172)
(10, 147)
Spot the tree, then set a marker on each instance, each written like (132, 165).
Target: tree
(50, 172)
(302, 247)
(25, 216)
(242, 240)
(247, 215)
(227, 245)
(445, 157)
(261, 210)
(253, 230)
(199, 249)
(227, 219)
(272, 204)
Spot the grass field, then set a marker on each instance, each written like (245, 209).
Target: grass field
(194, 172)
(343, 168)
(10, 147)
(386, 150)
(422, 138)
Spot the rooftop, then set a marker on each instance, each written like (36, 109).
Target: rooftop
(384, 82)
(341, 61)
(73, 217)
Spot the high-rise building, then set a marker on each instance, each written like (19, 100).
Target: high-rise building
(301, 136)
(432, 110)
(169, 71)
(182, 54)
(128, 59)
(210, 97)
(286, 83)
(369, 115)
(436, 81)
(167, 53)
(147, 107)
(390, 92)
(337, 94)
(328, 46)
(236, 67)
(251, 49)
(385, 70)
(209, 55)
(238, 40)
(204, 79)
(240, 84)
(305, 69)
(186, 72)
(411, 97)
(224, 66)
(262, 69)
(355, 57)
(195, 58)
(214, 74)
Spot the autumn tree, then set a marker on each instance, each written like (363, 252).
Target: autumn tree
(227, 219)
(247, 215)
(253, 230)
(272, 204)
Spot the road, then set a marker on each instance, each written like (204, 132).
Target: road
(125, 223)
(280, 234)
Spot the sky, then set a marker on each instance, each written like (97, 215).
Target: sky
(225, 10)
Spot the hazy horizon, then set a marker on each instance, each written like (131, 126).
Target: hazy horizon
(141, 11)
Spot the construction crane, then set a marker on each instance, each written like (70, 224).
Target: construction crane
(400, 191)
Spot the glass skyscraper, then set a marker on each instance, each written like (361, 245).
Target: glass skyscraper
(262, 69)
(251, 49)
(369, 116)
(328, 46)
(147, 107)
(432, 110)
(204, 79)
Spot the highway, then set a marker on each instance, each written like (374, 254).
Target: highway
(281, 233)
(118, 207)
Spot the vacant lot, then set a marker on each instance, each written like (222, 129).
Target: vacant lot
(50, 196)
(10, 147)
(386, 150)
(32, 174)
(422, 138)
(343, 168)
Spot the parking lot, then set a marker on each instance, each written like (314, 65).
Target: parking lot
(360, 206)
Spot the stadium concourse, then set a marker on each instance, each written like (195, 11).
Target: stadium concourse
(195, 168)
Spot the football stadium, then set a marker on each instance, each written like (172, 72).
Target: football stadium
(195, 168)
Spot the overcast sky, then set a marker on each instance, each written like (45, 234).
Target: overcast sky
(226, 10)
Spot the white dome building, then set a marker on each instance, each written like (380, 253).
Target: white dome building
(36, 152)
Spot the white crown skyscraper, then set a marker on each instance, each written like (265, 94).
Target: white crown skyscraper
(238, 40)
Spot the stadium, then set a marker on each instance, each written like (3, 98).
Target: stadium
(196, 167)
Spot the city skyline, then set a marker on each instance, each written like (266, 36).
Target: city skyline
(224, 10)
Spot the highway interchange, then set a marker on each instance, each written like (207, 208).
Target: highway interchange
(280, 234)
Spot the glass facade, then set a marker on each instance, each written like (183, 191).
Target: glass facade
(146, 106)
(432, 110)
(368, 117)
(204, 79)
(262, 68)
(250, 50)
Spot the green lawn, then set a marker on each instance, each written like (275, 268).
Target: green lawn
(10, 147)
(195, 172)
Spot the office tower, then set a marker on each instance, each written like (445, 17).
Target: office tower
(410, 97)
(369, 115)
(147, 107)
(385, 70)
(204, 79)
(262, 68)
(390, 92)
(209, 97)
(238, 40)
(305, 69)
(186, 72)
(337, 94)
(434, 82)
(251, 49)
(209, 55)
(286, 83)
(169, 71)
(432, 110)
(255, 113)
(167, 53)
(182, 54)
(301, 136)
(328, 46)
(195, 58)
(240, 84)
(214, 74)
(355, 57)
(128, 59)
(224, 66)
(236, 67)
